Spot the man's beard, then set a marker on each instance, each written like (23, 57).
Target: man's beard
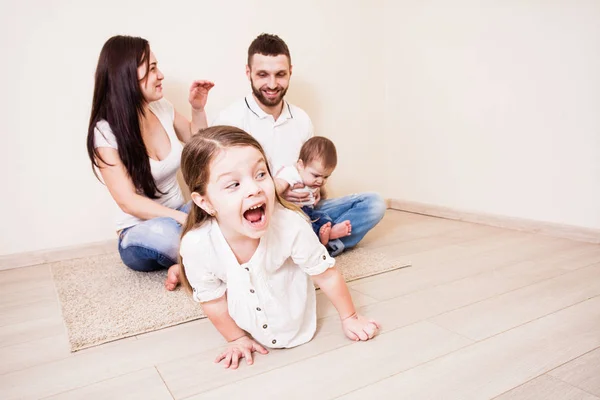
(264, 100)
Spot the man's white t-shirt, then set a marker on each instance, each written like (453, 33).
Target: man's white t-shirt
(164, 172)
(281, 139)
(271, 296)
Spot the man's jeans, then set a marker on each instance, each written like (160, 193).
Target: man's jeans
(364, 210)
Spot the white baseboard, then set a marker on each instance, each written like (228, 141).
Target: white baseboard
(30, 258)
(545, 228)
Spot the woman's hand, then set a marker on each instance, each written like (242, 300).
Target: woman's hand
(357, 327)
(238, 349)
(180, 217)
(199, 94)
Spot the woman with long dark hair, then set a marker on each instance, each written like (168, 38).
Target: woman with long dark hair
(134, 140)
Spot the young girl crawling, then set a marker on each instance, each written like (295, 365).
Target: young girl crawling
(251, 259)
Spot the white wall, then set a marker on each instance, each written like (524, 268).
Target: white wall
(50, 197)
(495, 108)
(491, 108)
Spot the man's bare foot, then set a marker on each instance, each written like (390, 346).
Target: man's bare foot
(173, 277)
(340, 230)
(324, 233)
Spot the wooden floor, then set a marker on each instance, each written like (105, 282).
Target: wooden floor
(483, 313)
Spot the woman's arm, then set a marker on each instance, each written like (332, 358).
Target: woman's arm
(197, 98)
(121, 188)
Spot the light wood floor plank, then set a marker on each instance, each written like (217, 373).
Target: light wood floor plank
(492, 316)
(28, 312)
(145, 384)
(363, 363)
(19, 278)
(496, 365)
(454, 262)
(447, 297)
(197, 372)
(546, 388)
(24, 355)
(32, 329)
(583, 372)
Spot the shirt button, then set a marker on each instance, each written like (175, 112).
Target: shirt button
(265, 326)
(273, 341)
(324, 257)
(247, 269)
(258, 309)
(251, 290)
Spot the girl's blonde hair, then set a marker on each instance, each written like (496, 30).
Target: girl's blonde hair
(196, 158)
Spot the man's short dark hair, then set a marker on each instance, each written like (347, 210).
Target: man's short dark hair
(268, 45)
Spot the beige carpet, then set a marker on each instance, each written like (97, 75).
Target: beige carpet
(102, 300)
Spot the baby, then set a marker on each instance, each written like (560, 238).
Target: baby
(317, 160)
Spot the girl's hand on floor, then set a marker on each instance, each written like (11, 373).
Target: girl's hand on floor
(356, 327)
(238, 349)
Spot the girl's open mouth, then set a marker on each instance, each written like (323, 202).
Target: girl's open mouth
(255, 216)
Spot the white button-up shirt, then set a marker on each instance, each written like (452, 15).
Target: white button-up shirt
(281, 139)
(271, 296)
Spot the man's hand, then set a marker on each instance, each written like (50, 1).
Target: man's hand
(291, 196)
(317, 195)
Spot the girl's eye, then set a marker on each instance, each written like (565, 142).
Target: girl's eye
(232, 185)
(261, 175)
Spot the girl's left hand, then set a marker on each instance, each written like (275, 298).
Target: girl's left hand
(199, 94)
(357, 327)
